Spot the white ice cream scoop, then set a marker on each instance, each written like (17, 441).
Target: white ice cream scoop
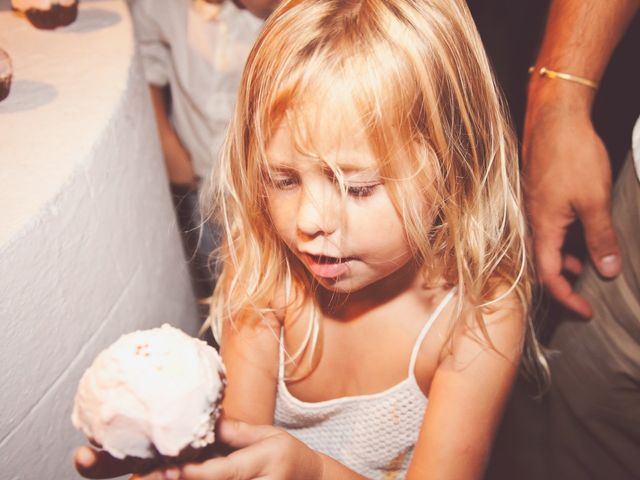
(153, 392)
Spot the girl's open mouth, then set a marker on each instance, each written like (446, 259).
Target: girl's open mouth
(323, 259)
(327, 267)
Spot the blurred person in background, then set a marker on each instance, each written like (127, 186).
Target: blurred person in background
(595, 392)
(193, 53)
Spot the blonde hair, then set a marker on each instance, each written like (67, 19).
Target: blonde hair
(417, 73)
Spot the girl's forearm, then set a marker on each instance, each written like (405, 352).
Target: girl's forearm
(332, 469)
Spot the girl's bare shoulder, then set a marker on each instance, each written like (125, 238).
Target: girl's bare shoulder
(498, 324)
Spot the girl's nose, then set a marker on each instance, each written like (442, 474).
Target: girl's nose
(317, 213)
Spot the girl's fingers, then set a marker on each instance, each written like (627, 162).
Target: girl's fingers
(245, 464)
(238, 434)
(172, 473)
(92, 463)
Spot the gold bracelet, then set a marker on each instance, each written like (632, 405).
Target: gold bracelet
(545, 72)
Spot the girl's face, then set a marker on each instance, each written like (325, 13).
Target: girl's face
(347, 242)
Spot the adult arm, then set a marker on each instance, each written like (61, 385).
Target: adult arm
(567, 170)
(176, 157)
(154, 35)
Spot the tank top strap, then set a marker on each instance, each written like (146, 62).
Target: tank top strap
(287, 298)
(427, 326)
(281, 356)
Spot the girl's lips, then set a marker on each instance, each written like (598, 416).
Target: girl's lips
(327, 267)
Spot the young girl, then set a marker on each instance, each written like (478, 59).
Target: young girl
(372, 309)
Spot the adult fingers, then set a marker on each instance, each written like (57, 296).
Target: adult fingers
(601, 239)
(560, 288)
(572, 264)
(549, 262)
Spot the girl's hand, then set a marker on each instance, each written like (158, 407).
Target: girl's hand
(264, 452)
(91, 463)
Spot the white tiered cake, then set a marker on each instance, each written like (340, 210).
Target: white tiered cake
(88, 243)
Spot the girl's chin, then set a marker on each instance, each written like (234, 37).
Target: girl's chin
(346, 285)
(339, 285)
(381, 285)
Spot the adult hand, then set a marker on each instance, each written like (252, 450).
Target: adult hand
(177, 159)
(263, 452)
(567, 177)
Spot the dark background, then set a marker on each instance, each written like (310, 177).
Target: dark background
(511, 31)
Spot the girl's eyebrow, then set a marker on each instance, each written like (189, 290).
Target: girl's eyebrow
(276, 164)
(348, 168)
(281, 168)
(278, 160)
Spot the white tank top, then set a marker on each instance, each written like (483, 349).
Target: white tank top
(375, 434)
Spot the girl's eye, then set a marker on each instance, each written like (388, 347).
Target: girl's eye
(361, 191)
(284, 183)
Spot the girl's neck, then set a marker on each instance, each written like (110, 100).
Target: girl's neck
(349, 306)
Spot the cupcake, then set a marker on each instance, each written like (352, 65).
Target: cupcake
(48, 14)
(6, 73)
(152, 394)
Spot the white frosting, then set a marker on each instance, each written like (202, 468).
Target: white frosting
(152, 391)
(24, 5)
